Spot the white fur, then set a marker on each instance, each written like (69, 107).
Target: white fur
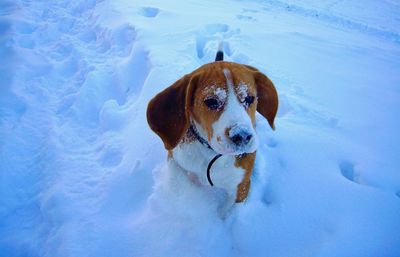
(194, 158)
(190, 160)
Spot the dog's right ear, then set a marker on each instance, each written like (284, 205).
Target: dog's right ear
(267, 96)
(168, 111)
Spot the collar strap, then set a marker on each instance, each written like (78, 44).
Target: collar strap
(209, 167)
(195, 133)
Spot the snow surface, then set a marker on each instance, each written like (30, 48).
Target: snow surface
(81, 172)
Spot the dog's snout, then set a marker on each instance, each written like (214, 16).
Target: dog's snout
(241, 139)
(239, 136)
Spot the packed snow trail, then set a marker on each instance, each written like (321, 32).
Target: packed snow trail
(54, 155)
(81, 174)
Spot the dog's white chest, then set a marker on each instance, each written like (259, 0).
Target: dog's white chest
(194, 159)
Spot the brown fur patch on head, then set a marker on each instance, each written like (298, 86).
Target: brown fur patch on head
(210, 81)
(212, 78)
(246, 87)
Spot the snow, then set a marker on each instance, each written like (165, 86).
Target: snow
(221, 94)
(243, 91)
(215, 91)
(82, 174)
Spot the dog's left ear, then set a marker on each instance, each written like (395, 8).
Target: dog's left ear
(267, 96)
(168, 112)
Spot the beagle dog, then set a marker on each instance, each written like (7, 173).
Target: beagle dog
(211, 113)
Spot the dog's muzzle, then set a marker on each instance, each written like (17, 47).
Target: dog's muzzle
(240, 136)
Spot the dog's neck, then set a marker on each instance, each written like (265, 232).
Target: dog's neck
(192, 132)
(195, 148)
(193, 156)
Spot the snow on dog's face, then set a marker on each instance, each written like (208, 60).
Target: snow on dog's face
(224, 113)
(220, 99)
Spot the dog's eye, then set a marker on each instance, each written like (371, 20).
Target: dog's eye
(248, 100)
(212, 103)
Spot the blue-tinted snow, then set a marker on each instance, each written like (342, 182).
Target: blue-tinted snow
(80, 169)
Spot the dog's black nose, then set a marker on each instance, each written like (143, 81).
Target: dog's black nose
(242, 138)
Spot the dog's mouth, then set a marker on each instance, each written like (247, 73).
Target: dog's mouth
(237, 151)
(227, 148)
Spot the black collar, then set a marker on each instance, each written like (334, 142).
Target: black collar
(195, 133)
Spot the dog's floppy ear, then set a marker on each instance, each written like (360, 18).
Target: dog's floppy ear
(168, 111)
(267, 96)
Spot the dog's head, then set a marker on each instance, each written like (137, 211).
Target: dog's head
(220, 99)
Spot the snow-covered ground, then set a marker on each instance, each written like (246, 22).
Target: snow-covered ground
(80, 170)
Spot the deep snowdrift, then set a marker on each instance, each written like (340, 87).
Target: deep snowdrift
(81, 174)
